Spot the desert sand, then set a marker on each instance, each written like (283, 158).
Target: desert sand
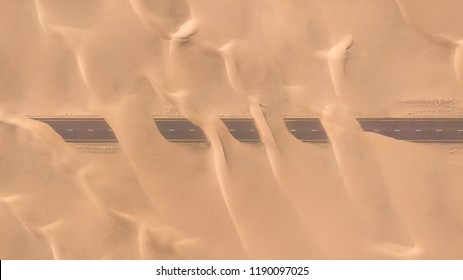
(362, 196)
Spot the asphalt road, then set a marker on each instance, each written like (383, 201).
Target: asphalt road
(81, 129)
(305, 129)
(417, 130)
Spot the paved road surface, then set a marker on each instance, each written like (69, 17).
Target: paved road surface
(81, 129)
(417, 130)
(244, 129)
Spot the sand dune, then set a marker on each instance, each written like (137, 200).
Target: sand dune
(454, 40)
(362, 196)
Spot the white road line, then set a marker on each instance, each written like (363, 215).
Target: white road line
(396, 129)
(171, 130)
(293, 130)
(418, 130)
(438, 129)
(314, 129)
(90, 129)
(460, 130)
(376, 130)
(191, 129)
(232, 129)
(110, 130)
(252, 130)
(70, 129)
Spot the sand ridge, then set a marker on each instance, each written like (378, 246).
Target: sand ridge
(363, 196)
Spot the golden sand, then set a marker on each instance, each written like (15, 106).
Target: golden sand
(363, 196)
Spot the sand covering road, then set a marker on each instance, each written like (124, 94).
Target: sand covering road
(362, 196)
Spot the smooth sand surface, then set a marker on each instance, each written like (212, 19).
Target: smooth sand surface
(362, 196)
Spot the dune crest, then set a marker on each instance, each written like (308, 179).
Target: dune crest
(361, 195)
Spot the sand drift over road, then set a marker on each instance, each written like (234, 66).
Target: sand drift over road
(180, 130)
(326, 92)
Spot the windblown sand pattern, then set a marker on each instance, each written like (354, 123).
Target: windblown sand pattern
(363, 196)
